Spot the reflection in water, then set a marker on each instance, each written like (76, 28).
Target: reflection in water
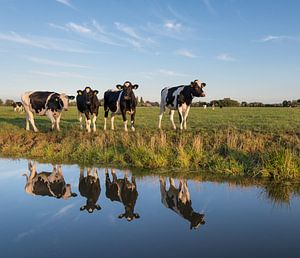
(89, 187)
(47, 183)
(124, 191)
(179, 201)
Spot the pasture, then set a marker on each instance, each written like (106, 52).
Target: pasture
(259, 142)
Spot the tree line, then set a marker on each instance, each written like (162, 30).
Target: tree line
(226, 102)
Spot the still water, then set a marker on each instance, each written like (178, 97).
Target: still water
(67, 211)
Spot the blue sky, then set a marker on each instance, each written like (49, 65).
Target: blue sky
(246, 50)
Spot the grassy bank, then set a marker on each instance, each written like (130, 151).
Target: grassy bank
(259, 142)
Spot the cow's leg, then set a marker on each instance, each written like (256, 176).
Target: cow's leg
(32, 169)
(186, 191)
(172, 182)
(112, 119)
(180, 117)
(49, 114)
(58, 122)
(31, 120)
(95, 174)
(105, 117)
(172, 118)
(114, 175)
(132, 121)
(124, 120)
(89, 171)
(186, 116)
(163, 190)
(27, 122)
(88, 122)
(161, 113)
(81, 173)
(80, 120)
(94, 122)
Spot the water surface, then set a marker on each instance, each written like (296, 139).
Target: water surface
(66, 213)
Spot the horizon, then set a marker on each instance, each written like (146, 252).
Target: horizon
(246, 50)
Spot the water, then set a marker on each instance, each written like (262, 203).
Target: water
(213, 219)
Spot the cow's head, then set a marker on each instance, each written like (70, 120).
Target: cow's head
(88, 95)
(197, 219)
(67, 193)
(65, 99)
(128, 88)
(90, 206)
(129, 214)
(197, 88)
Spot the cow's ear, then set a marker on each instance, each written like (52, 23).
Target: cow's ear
(136, 215)
(73, 194)
(79, 92)
(119, 86)
(71, 97)
(97, 206)
(82, 208)
(135, 86)
(96, 92)
(121, 216)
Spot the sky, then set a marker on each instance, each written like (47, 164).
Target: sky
(245, 50)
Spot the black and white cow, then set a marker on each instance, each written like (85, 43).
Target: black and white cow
(88, 104)
(46, 103)
(120, 101)
(179, 201)
(47, 183)
(18, 106)
(89, 187)
(180, 98)
(124, 191)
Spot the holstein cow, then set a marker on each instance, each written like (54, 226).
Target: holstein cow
(89, 187)
(46, 103)
(121, 101)
(88, 104)
(124, 191)
(180, 98)
(18, 106)
(179, 201)
(47, 183)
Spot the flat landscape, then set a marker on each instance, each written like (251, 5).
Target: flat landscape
(256, 142)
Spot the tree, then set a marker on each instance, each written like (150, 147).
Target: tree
(9, 102)
(1, 102)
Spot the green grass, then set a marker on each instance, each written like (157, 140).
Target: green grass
(256, 142)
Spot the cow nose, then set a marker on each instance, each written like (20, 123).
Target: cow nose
(203, 84)
(202, 95)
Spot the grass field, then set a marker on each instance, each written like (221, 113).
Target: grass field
(259, 142)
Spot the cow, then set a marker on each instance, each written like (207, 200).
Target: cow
(124, 191)
(89, 187)
(18, 106)
(180, 98)
(50, 184)
(88, 104)
(120, 101)
(179, 201)
(46, 103)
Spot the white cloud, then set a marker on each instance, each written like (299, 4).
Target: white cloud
(171, 73)
(209, 6)
(65, 2)
(272, 38)
(44, 42)
(185, 53)
(55, 63)
(64, 210)
(226, 57)
(173, 26)
(78, 28)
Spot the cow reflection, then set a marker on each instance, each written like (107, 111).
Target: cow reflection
(89, 187)
(178, 200)
(47, 183)
(124, 191)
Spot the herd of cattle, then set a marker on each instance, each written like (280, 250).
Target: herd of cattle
(121, 190)
(120, 101)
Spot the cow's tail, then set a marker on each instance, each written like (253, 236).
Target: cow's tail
(25, 176)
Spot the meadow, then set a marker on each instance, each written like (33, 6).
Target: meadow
(255, 142)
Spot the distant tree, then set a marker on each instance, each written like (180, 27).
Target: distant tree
(244, 104)
(8, 102)
(142, 101)
(1, 102)
(286, 103)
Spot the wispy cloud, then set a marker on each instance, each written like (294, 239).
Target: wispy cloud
(78, 28)
(66, 3)
(171, 73)
(272, 38)
(185, 53)
(64, 210)
(55, 63)
(226, 57)
(209, 7)
(173, 26)
(44, 42)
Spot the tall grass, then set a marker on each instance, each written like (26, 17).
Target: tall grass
(230, 150)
